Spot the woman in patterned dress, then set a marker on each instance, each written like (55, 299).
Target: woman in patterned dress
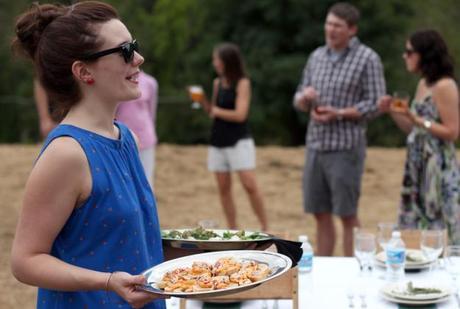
(88, 224)
(430, 195)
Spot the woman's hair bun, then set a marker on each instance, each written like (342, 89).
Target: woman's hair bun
(30, 26)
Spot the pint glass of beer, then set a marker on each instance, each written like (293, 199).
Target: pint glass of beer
(196, 94)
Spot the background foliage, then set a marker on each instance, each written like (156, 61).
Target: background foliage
(275, 36)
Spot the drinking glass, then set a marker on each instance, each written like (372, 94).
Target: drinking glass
(208, 224)
(452, 264)
(196, 94)
(384, 231)
(400, 101)
(365, 248)
(431, 244)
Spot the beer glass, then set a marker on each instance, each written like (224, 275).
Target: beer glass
(196, 94)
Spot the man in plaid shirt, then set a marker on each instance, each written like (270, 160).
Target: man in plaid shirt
(340, 87)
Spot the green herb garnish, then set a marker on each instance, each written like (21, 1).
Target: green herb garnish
(200, 233)
(416, 291)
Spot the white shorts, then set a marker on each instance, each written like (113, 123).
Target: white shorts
(241, 156)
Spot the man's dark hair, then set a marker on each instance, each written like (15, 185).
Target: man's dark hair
(346, 11)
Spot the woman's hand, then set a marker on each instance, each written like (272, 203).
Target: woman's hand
(384, 103)
(125, 285)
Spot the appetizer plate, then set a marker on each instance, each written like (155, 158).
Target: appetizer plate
(399, 291)
(277, 263)
(414, 302)
(217, 243)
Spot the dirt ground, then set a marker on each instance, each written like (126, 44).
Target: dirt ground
(186, 193)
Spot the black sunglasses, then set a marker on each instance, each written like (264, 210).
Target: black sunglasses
(409, 51)
(126, 49)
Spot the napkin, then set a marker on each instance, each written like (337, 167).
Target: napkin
(291, 249)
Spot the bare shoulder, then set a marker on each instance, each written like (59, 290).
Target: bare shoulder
(444, 84)
(63, 150)
(215, 82)
(244, 83)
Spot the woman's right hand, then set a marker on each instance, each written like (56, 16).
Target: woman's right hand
(125, 285)
(384, 103)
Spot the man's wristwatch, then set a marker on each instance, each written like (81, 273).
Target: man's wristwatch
(427, 124)
(340, 113)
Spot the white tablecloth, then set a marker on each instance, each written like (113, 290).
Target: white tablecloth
(333, 277)
(330, 281)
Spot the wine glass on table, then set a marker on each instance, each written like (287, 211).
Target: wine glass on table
(365, 248)
(452, 264)
(431, 244)
(384, 231)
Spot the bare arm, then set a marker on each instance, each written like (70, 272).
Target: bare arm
(41, 101)
(243, 99)
(52, 191)
(206, 104)
(445, 96)
(59, 182)
(402, 120)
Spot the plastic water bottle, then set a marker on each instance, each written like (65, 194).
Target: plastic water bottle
(306, 261)
(396, 257)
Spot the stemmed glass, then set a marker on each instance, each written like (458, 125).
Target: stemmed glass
(431, 243)
(384, 230)
(452, 264)
(365, 248)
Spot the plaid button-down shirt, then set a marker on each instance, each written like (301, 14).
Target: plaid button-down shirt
(354, 79)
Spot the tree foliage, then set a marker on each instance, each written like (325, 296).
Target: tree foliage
(276, 36)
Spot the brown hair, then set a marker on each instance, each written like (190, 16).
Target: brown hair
(435, 60)
(54, 37)
(346, 11)
(233, 62)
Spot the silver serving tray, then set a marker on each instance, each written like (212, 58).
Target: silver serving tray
(278, 264)
(215, 245)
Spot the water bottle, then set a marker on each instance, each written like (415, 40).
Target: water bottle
(396, 257)
(306, 261)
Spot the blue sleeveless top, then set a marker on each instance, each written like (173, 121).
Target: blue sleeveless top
(116, 229)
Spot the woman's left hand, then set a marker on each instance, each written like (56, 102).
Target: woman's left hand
(125, 285)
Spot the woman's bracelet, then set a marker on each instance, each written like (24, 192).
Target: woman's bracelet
(108, 280)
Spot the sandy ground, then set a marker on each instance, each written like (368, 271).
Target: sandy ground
(186, 193)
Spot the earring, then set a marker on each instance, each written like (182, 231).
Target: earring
(89, 81)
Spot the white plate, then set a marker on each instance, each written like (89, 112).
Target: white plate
(215, 244)
(381, 258)
(414, 302)
(398, 291)
(277, 263)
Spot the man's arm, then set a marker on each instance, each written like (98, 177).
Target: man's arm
(305, 94)
(373, 88)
